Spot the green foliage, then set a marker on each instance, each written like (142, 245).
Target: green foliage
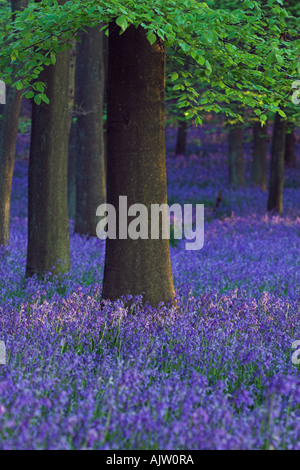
(242, 51)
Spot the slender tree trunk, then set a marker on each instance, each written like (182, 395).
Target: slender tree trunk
(259, 163)
(136, 165)
(289, 153)
(8, 136)
(235, 155)
(90, 168)
(275, 197)
(48, 227)
(181, 138)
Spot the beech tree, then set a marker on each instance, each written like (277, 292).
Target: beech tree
(48, 229)
(136, 91)
(8, 136)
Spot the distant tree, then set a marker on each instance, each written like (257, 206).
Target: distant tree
(235, 155)
(289, 152)
(259, 155)
(276, 181)
(181, 138)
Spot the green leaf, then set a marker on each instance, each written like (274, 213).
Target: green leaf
(39, 86)
(122, 22)
(38, 99)
(198, 120)
(208, 68)
(200, 59)
(29, 95)
(151, 37)
(53, 58)
(281, 113)
(14, 55)
(45, 98)
(174, 76)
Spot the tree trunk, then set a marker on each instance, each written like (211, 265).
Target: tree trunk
(289, 153)
(72, 171)
(259, 163)
(181, 138)
(105, 60)
(48, 227)
(9, 131)
(90, 171)
(8, 136)
(235, 155)
(72, 137)
(136, 165)
(275, 197)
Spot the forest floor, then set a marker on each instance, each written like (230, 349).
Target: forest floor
(216, 374)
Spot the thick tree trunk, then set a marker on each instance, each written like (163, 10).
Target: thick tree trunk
(136, 165)
(275, 197)
(259, 163)
(72, 171)
(289, 153)
(90, 168)
(235, 155)
(72, 137)
(48, 227)
(8, 136)
(181, 138)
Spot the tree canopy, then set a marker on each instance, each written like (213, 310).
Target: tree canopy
(244, 51)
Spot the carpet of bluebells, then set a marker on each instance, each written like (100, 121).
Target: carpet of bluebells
(216, 373)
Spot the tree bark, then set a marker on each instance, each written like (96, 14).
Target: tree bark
(181, 138)
(72, 171)
(259, 163)
(8, 136)
(275, 197)
(289, 153)
(90, 167)
(235, 155)
(48, 227)
(136, 165)
(72, 137)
